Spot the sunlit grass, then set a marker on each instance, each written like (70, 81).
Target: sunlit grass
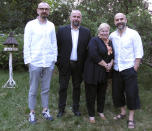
(14, 107)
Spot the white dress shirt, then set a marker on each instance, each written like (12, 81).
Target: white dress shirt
(75, 36)
(127, 48)
(40, 45)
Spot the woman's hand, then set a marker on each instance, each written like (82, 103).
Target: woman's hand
(103, 63)
(109, 66)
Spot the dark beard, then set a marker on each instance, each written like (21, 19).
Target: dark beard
(44, 16)
(76, 23)
(122, 26)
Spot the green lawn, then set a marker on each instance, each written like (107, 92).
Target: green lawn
(14, 107)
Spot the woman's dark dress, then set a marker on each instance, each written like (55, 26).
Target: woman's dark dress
(95, 75)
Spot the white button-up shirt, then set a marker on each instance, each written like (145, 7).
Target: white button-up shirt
(75, 36)
(40, 45)
(127, 48)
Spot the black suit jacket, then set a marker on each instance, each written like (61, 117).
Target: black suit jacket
(64, 41)
(97, 51)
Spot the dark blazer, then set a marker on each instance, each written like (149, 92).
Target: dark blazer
(64, 41)
(97, 51)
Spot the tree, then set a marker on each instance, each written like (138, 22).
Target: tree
(139, 18)
(60, 10)
(97, 11)
(15, 13)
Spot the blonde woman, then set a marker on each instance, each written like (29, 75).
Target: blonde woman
(99, 61)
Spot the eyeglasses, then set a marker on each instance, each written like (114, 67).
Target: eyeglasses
(46, 9)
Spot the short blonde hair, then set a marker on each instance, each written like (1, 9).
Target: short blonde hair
(103, 25)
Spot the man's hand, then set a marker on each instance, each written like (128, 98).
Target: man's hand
(137, 63)
(28, 64)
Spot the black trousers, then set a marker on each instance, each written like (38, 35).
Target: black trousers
(76, 82)
(125, 89)
(93, 93)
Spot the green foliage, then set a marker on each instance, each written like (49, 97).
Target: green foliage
(98, 11)
(14, 14)
(3, 56)
(148, 52)
(2, 39)
(60, 11)
(60, 15)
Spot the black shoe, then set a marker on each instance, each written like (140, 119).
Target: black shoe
(60, 113)
(77, 113)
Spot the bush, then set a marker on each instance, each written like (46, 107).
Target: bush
(148, 52)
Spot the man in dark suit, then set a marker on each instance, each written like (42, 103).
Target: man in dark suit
(72, 43)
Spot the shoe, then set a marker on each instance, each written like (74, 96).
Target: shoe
(131, 124)
(92, 120)
(119, 116)
(60, 113)
(102, 116)
(77, 113)
(32, 118)
(46, 115)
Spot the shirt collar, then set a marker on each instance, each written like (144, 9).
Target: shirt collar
(123, 31)
(40, 22)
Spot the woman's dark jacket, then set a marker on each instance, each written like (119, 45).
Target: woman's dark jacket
(97, 51)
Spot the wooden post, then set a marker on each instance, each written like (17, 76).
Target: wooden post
(10, 46)
(10, 83)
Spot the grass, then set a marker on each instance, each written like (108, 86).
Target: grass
(14, 107)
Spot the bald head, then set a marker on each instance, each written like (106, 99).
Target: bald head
(120, 14)
(120, 21)
(43, 4)
(43, 10)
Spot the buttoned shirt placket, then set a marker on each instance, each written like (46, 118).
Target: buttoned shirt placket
(119, 52)
(43, 47)
(75, 36)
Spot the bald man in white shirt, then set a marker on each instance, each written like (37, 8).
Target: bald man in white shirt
(40, 54)
(128, 51)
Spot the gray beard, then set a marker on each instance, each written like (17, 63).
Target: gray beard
(76, 23)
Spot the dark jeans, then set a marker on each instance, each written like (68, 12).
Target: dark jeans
(76, 82)
(94, 92)
(125, 89)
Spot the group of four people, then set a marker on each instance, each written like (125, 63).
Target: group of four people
(78, 55)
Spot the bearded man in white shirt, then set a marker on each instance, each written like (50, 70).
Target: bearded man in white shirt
(128, 51)
(40, 54)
